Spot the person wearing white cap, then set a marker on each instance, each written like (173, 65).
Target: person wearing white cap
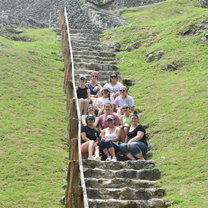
(83, 94)
(110, 139)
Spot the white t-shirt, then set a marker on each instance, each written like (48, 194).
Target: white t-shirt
(119, 101)
(113, 88)
(101, 101)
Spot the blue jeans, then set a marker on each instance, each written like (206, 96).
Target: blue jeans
(106, 145)
(134, 148)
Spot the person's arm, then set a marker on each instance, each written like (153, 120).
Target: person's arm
(132, 104)
(102, 134)
(84, 120)
(97, 141)
(139, 136)
(84, 137)
(97, 121)
(88, 94)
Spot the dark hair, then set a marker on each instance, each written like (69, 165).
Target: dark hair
(116, 73)
(135, 114)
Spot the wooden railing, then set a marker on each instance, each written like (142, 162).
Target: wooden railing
(76, 194)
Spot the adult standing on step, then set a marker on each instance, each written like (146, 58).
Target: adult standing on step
(135, 146)
(90, 138)
(122, 99)
(113, 85)
(94, 86)
(83, 94)
(110, 139)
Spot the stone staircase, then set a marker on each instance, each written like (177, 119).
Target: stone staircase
(123, 184)
(89, 56)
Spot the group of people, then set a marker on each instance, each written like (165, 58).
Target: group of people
(109, 121)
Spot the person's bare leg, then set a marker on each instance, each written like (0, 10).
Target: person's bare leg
(81, 106)
(91, 148)
(97, 151)
(130, 156)
(112, 151)
(85, 104)
(106, 152)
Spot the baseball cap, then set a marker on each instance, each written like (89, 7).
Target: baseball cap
(82, 76)
(90, 116)
(110, 117)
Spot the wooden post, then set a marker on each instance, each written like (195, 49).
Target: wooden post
(73, 192)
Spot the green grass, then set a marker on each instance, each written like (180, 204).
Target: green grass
(174, 104)
(32, 127)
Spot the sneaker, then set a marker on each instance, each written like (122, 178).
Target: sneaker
(91, 158)
(108, 158)
(114, 159)
(98, 158)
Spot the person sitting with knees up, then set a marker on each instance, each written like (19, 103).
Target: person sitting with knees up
(135, 146)
(125, 121)
(83, 94)
(90, 139)
(113, 85)
(109, 139)
(106, 98)
(124, 98)
(94, 86)
(90, 110)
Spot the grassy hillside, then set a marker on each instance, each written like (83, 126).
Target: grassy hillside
(173, 103)
(32, 124)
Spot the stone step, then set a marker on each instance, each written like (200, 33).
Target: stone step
(85, 38)
(136, 165)
(125, 193)
(95, 66)
(94, 53)
(80, 60)
(115, 203)
(76, 31)
(89, 42)
(118, 183)
(86, 48)
(88, 57)
(143, 174)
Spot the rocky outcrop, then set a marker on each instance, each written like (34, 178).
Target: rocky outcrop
(119, 4)
(202, 3)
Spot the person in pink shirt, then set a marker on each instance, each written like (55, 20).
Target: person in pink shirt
(122, 99)
(102, 121)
